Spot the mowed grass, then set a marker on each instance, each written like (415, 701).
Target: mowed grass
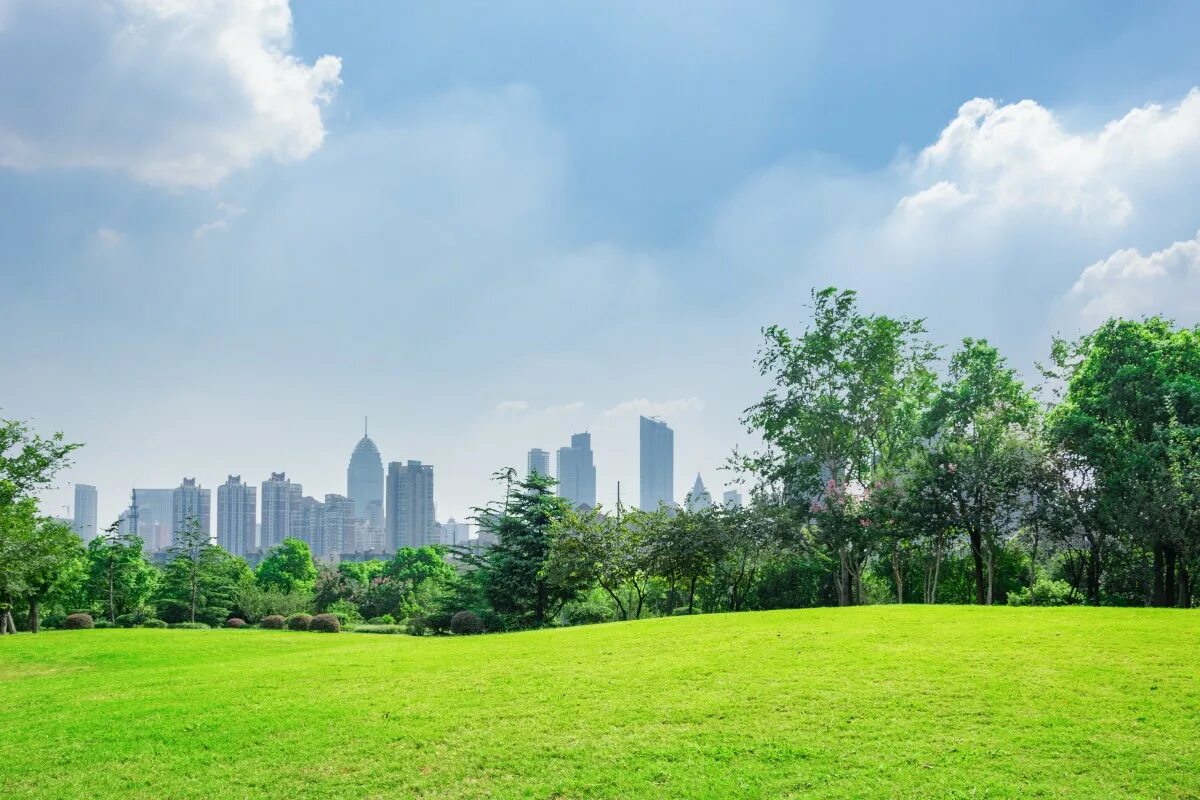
(865, 702)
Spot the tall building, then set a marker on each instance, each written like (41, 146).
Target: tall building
(280, 509)
(538, 461)
(410, 512)
(732, 498)
(455, 533)
(337, 526)
(190, 501)
(237, 516)
(84, 523)
(364, 477)
(155, 512)
(698, 498)
(575, 471)
(657, 444)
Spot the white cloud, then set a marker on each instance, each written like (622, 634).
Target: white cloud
(650, 408)
(177, 94)
(221, 224)
(511, 406)
(108, 237)
(566, 408)
(1129, 284)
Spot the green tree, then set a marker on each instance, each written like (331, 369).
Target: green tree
(607, 550)
(201, 580)
(288, 566)
(119, 578)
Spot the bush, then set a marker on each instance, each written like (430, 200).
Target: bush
(154, 623)
(1046, 593)
(134, 618)
(299, 622)
(369, 628)
(439, 623)
(78, 622)
(386, 619)
(53, 620)
(102, 623)
(465, 623)
(683, 611)
(346, 612)
(325, 623)
(588, 613)
(190, 626)
(414, 626)
(235, 622)
(273, 622)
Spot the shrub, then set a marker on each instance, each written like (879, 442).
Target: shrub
(299, 622)
(77, 622)
(346, 612)
(134, 618)
(273, 622)
(1045, 593)
(325, 623)
(386, 619)
(190, 626)
(465, 623)
(439, 622)
(683, 611)
(369, 628)
(53, 620)
(588, 613)
(415, 626)
(102, 623)
(154, 623)
(235, 622)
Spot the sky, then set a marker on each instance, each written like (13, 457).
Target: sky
(232, 229)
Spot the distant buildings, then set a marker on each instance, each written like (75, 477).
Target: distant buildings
(337, 531)
(698, 498)
(410, 511)
(456, 533)
(84, 522)
(307, 517)
(538, 461)
(237, 516)
(190, 501)
(154, 510)
(364, 479)
(732, 499)
(657, 460)
(576, 472)
(280, 509)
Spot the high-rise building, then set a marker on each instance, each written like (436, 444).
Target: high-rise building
(538, 461)
(237, 516)
(84, 523)
(190, 502)
(698, 498)
(732, 498)
(657, 444)
(155, 517)
(337, 526)
(575, 471)
(364, 477)
(280, 509)
(455, 533)
(307, 520)
(410, 511)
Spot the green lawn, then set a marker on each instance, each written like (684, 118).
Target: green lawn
(866, 702)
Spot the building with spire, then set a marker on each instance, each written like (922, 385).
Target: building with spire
(364, 479)
(698, 498)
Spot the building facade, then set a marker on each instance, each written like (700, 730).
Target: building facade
(455, 534)
(154, 512)
(657, 463)
(337, 534)
(698, 498)
(410, 517)
(364, 478)
(576, 471)
(190, 501)
(732, 498)
(280, 509)
(538, 461)
(237, 516)
(84, 521)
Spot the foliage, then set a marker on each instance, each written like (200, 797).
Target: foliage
(587, 613)
(386, 619)
(201, 582)
(255, 602)
(119, 578)
(75, 622)
(235, 622)
(369, 628)
(288, 567)
(153, 623)
(190, 626)
(465, 623)
(324, 623)
(1045, 592)
(299, 622)
(273, 622)
(345, 611)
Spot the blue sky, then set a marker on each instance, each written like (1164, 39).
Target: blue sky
(230, 229)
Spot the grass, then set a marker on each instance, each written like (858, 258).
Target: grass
(866, 702)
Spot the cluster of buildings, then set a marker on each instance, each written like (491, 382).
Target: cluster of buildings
(380, 512)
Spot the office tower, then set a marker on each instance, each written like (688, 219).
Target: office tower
(189, 501)
(410, 512)
(280, 512)
(237, 516)
(368, 538)
(732, 498)
(306, 523)
(538, 461)
(698, 498)
(337, 526)
(657, 442)
(84, 523)
(155, 514)
(576, 473)
(456, 533)
(364, 477)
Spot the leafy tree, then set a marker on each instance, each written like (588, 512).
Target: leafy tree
(608, 550)
(255, 602)
(288, 566)
(201, 579)
(118, 575)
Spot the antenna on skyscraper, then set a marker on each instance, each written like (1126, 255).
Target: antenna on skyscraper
(364, 427)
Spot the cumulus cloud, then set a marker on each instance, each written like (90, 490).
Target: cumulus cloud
(176, 94)
(650, 408)
(511, 406)
(1129, 284)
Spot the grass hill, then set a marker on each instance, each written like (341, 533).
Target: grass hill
(864, 702)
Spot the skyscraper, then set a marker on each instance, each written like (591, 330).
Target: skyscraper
(155, 517)
(455, 533)
(237, 516)
(364, 477)
(657, 443)
(307, 518)
(337, 526)
(190, 502)
(732, 498)
(280, 509)
(538, 461)
(410, 512)
(698, 498)
(575, 471)
(84, 523)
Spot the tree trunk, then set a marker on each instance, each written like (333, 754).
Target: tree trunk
(898, 573)
(844, 589)
(112, 611)
(977, 555)
(1093, 570)
(1183, 597)
(991, 574)
(34, 616)
(1159, 595)
(6, 622)
(692, 593)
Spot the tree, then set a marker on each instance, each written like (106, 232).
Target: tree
(288, 566)
(608, 550)
(201, 579)
(119, 575)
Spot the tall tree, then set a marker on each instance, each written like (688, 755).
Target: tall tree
(288, 566)
(201, 579)
(119, 576)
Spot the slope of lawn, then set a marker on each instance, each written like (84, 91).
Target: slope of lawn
(866, 702)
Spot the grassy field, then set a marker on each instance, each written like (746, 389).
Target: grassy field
(865, 702)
